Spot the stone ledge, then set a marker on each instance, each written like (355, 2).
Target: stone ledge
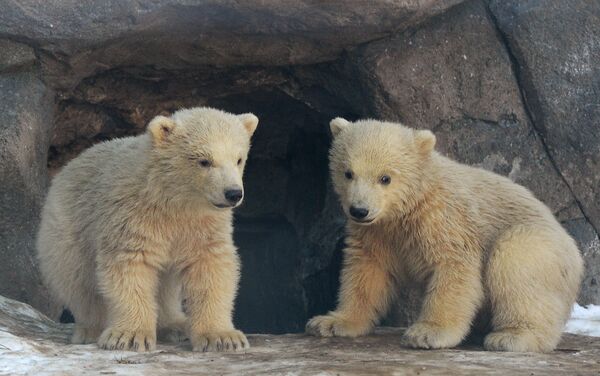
(15, 55)
(30, 343)
(78, 38)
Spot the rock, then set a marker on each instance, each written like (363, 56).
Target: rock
(589, 244)
(556, 46)
(454, 76)
(78, 127)
(30, 343)
(88, 37)
(15, 55)
(25, 107)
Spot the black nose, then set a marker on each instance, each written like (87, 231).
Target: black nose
(234, 195)
(358, 213)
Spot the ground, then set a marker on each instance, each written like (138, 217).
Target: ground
(32, 344)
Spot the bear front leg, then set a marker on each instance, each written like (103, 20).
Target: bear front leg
(128, 283)
(454, 294)
(365, 294)
(210, 284)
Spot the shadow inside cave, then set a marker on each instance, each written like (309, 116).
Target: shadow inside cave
(289, 229)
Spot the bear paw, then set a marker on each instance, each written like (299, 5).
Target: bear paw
(230, 340)
(429, 336)
(514, 340)
(332, 325)
(84, 334)
(121, 339)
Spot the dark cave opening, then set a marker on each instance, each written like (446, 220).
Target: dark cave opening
(289, 245)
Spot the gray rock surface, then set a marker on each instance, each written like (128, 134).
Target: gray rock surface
(25, 104)
(589, 244)
(79, 38)
(454, 76)
(556, 46)
(15, 55)
(30, 343)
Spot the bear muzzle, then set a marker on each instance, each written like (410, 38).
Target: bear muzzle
(359, 214)
(232, 197)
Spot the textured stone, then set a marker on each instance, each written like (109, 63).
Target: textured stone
(556, 45)
(589, 244)
(454, 76)
(84, 37)
(25, 110)
(15, 55)
(30, 344)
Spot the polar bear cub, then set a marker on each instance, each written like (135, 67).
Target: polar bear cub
(134, 225)
(477, 240)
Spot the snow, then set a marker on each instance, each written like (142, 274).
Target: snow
(584, 320)
(12, 344)
(32, 344)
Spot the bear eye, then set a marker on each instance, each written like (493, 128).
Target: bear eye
(385, 180)
(239, 161)
(204, 163)
(348, 174)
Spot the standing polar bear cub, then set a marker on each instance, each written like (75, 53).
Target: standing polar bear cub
(134, 225)
(478, 240)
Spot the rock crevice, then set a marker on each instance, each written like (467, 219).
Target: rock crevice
(535, 122)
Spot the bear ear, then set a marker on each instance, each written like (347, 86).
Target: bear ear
(425, 141)
(161, 127)
(249, 121)
(337, 125)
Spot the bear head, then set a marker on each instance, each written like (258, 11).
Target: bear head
(378, 168)
(200, 154)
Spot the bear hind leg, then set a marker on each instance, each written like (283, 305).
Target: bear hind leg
(532, 281)
(68, 271)
(90, 316)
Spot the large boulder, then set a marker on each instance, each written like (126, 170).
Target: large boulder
(454, 76)
(26, 104)
(79, 38)
(15, 55)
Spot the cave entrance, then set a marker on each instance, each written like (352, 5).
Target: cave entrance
(290, 259)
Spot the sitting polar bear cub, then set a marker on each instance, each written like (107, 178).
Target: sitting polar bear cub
(479, 241)
(131, 224)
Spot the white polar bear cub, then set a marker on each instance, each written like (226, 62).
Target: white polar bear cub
(133, 225)
(477, 240)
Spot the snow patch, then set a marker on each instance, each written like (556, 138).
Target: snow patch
(584, 320)
(10, 343)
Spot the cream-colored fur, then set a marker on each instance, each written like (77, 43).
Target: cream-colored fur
(134, 225)
(476, 239)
